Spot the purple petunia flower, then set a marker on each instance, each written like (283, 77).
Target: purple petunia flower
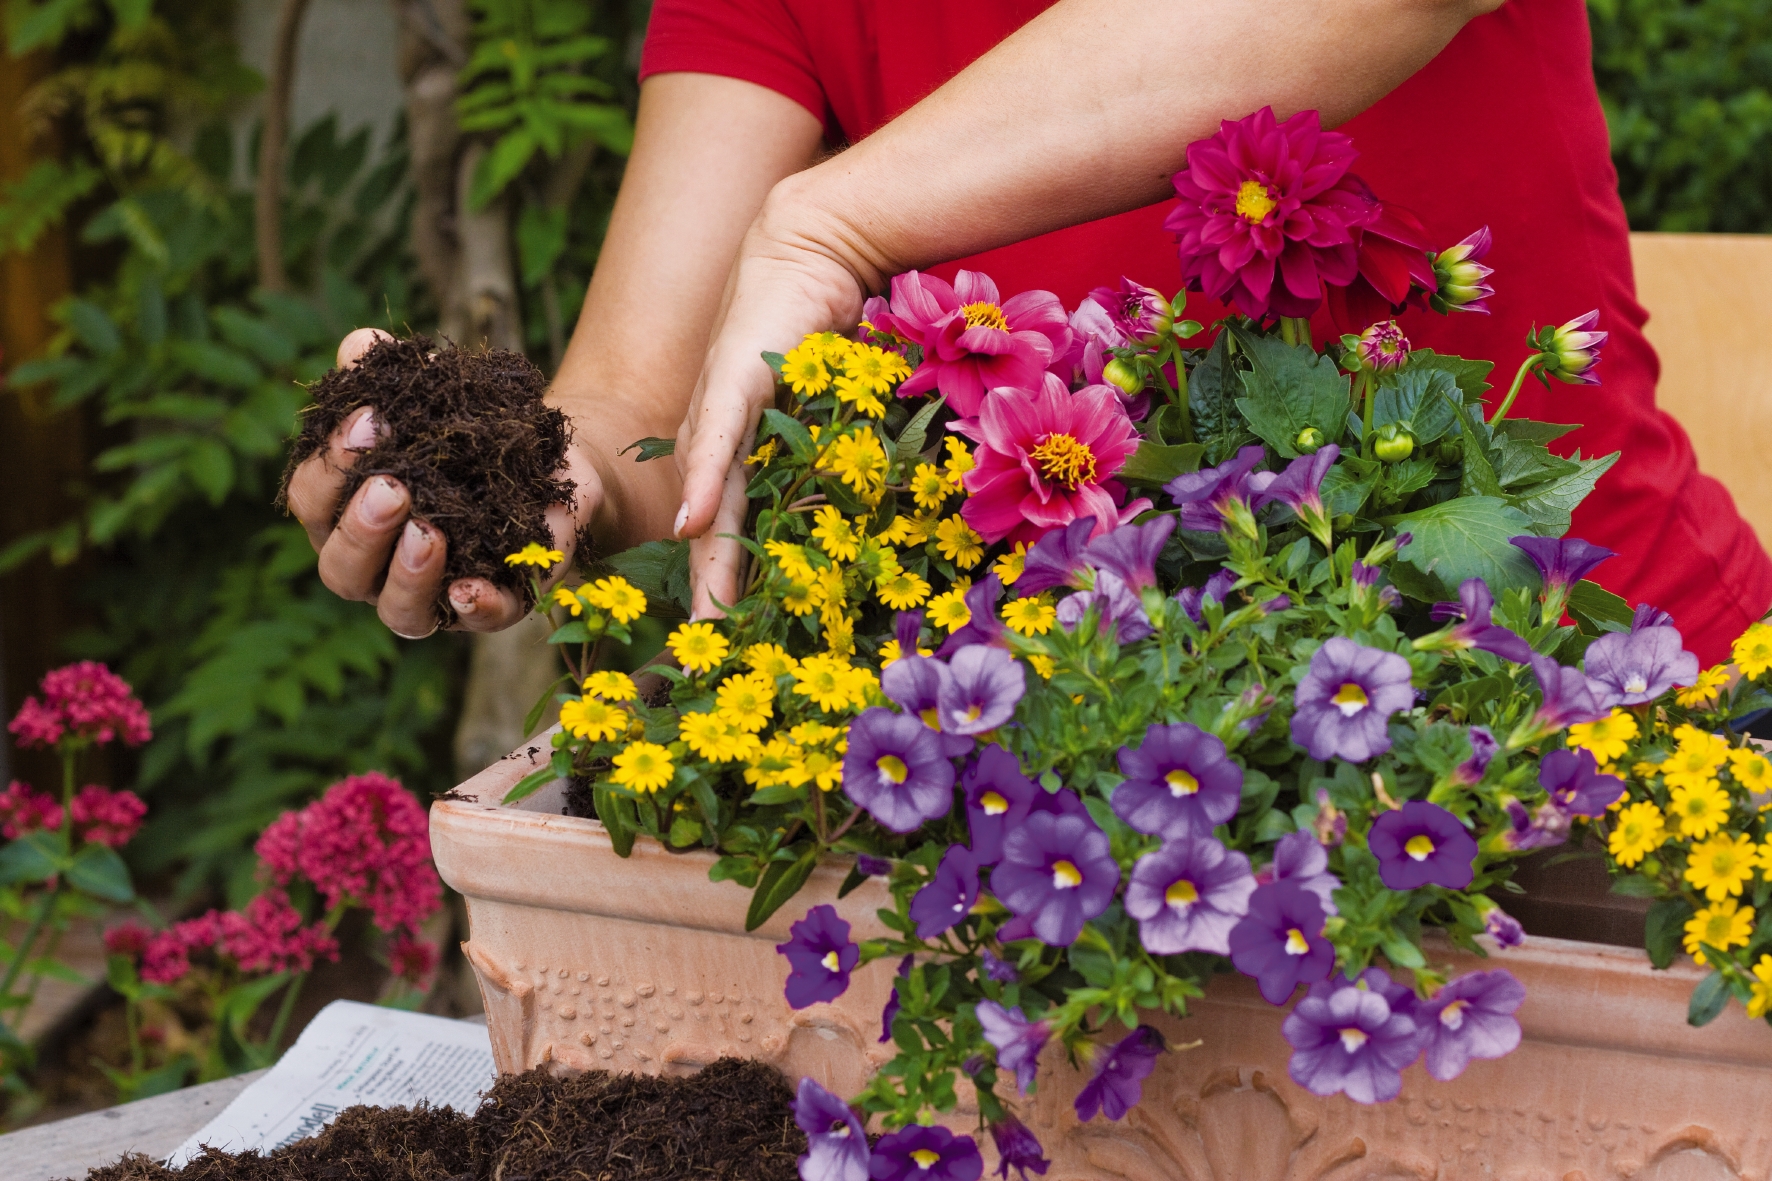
(1499, 925)
(1000, 970)
(1647, 616)
(1179, 783)
(1629, 668)
(1218, 587)
(1188, 895)
(1471, 1017)
(1422, 844)
(1572, 779)
(914, 684)
(948, 896)
(1344, 704)
(1017, 1148)
(998, 797)
(1483, 748)
(1400, 997)
(1541, 829)
(1568, 699)
(1280, 942)
(1363, 576)
(979, 691)
(1300, 857)
(1119, 609)
(1347, 1039)
(890, 1010)
(821, 956)
(870, 866)
(1017, 1040)
(1563, 561)
(1219, 495)
(1298, 488)
(897, 769)
(985, 626)
(1058, 559)
(918, 1153)
(1475, 609)
(836, 1144)
(1130, 552)
(1057, 872)
(1118, 1083)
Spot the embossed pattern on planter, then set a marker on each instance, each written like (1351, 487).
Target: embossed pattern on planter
(587, 961)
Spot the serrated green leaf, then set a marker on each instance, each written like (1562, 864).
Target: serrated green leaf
(1154, 463)
(780, 882)
(1479, 473)
(1420, 401)
(1597, 610)
(661, 570)
(1471, 376)
(1551, 503)
(1467, 538)
(1290, 388)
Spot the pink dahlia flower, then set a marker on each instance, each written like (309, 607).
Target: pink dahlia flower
(1270, 215)
(1396, 268)
(1046, 458)
(972, 339)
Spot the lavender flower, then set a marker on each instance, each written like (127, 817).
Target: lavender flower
(897, 769)
(914, 683)
(1541, 829)
(890, 1010)
(1647, 616)
(1475, 609)
(1058, 872)
(1118, 1083)
(1119, 609)
(1574, 784)
(1459, 273)
(821, 956)
(1344, 704)
(918, 1153)
(1218, 497)
(1179, 783)
(1630, 668)
(1017, 1148)
(1363, 576)
(1483, 748)
(1017, 1040)
(836, 1145)
(1280, 941)
(1218, 588)
(1568, 699)
(870, 866)
(1058, 559)
(1188, 895)
(1299, 489)
(1346, 1039)
(1399, 997)
(1499, 925)
(979, 691)
(998, 798)
(1422, 844)
(1472, 1017)
(1301, 858)
(1000, 970)
(948, 896)
(1563, 561)
(1130, 552)
(986, 626)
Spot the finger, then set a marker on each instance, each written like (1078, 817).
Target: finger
(355, 556)
(714, 560)
(483, 607)
(408, 600)
(355, 344)
(719, 429)
(312, 495)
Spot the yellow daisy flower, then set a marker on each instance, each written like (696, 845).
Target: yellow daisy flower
(569, 600)
(643, 767)
(833, 346)
(949, 610)
(1043, 664)
(1721, 865)
(1008, 568)
(825, 679)
(860, 461)
(804, 370)
(891, 653)
(772, 764)
(929, 486)
(835, 535)
(698, 647)
(1753, 650)
(839, 632)
(817, 765)
(769, 660)
(703, 733)
(857, 394)
(1703, 691)
(1645, 770)
(902, 531)
(875, 368)
(1640, 831)
(534, 554)
(958, 542)
(596, 720)
(747, 702)
(798, 601)
(958, 462)
(1751, 768)
(621, 598)
(792, 559)
(904, 591)
(1700, 809)
(763, 454)
(1760, 1002)
(1723, 925)
(611, 686)
(1032, 616)
(1607, 739)
(1696, 760)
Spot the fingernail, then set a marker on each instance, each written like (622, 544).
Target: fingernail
(415, 546)
(361, 435)
(463, 600)
(682, 516)
(382, 502)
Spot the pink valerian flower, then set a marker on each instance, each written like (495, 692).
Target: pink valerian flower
(1046, 458)
(366, 842)
(1269, 214)
(973, 340)
(412, 959)
(128, 938)
(85, 700)
(105, 817)
(167, 957)
(271, 936)
(25, 810)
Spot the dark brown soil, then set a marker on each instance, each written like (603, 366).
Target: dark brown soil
(468, 435)
(731, 1122)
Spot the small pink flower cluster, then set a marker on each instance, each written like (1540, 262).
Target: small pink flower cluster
(105, 817)
(84, 700)
(25, 810)
(268, 936)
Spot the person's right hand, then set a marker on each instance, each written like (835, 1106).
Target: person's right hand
(377, 552)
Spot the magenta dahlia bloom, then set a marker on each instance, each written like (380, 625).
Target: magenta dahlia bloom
(1383, 348)
(1047, 457)
(1471, 1017)
(1138, 313)
(1188, 895)
(973, 340)
(1269, 214)
(1394, 267)
(1179, 783)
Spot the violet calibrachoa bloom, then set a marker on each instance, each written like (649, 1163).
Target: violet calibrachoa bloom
(1179, 783)
(897, 769)
(1471, 1017)
(1346, 1039)
(1017, 1148)
(1630, 668)
(1218, 498)
(836, 1144)
(1573, 781)
(1017, 1040)
(821, 955)
(1476, 629)
(1280, 941)
(947, 898)
(1057, 872)
(1302, 859)
(1188, 895)
(998, 799)
(918, 1153)
(1345, 702)
(1299, 488)
(1118, 1083)
(1568, 699)
(1422, 844)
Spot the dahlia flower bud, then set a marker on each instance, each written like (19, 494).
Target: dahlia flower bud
(1309, 441)
(1460, 272)
(1394, 443)
(1119, 373)
(1570, 352)
(1383, 348)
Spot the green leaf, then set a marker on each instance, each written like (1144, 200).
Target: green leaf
(661, 569)
(1550, 504)
(32, 858)
(1635, 886)
(1470, 376)
(541, 240)
(1212, 389)
(791, 431)
(575, 631)
(217, 363)
(210, 465)
(1479, 473)
(1708, 1000)
(651, 447)
(1467, 538)
(780, 882)
(497, 168)
(852, 881)
(97, 870)
(775, 361)
(1290, 387)
(913, 438)
(1154, 463)
(1402, 953)
(1598, 610)
(1665, 926)
(92, 327)
(39, 199)
(529, 785)
(1421, 401)
(532, 719)
(1524, 430)
(612, 811)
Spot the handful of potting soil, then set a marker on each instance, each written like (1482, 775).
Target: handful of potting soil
(468, 435)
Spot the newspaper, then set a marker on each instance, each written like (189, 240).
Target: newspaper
(353, 1053)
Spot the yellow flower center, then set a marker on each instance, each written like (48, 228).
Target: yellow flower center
(1420, 846)
(1296, 943)
(1065, 461)
(993, 804)
(893, 768)
(1352, 1039)
(926, 1158)
(985, 315)
(1452, 1016)
(830, 961)
(1350, 699)
(1181, 783)
(931, 718)
(1254, 201)
(1066, 876)
(1181, 894)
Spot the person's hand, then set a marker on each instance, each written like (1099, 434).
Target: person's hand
(794, 275)
(377, 552)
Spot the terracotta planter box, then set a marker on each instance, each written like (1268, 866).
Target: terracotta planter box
(589, 961)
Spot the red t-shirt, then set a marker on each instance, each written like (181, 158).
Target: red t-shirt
(1503, 128)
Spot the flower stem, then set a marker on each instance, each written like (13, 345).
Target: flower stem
(17, 967)
(1363, 394)
(1513, 391)
(283, 1012)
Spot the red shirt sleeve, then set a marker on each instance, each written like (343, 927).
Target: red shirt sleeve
(753, 40)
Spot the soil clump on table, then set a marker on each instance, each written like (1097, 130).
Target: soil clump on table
(468, 435)
(732, 1121)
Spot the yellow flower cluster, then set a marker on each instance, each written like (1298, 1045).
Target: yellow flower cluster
(623, 601)
(857, 373)
(534, 554)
